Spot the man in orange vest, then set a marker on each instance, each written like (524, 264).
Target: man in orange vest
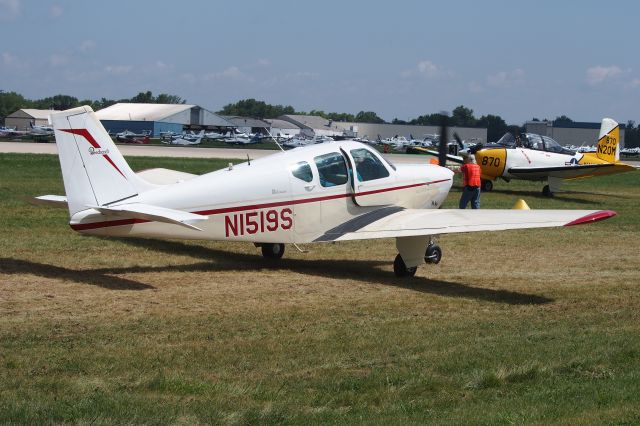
(470, 183)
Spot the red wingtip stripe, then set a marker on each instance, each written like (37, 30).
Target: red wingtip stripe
(593, 217)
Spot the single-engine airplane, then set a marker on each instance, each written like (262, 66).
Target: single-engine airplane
(326, 192)
(539, 158)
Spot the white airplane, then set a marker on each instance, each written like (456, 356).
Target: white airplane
(187, 139)
(321, 193)
(40, 130)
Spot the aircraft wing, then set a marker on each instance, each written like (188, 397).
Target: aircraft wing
(454, 158)
(392, 222)
(563, 172)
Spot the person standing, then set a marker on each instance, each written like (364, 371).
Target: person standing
(470, 183)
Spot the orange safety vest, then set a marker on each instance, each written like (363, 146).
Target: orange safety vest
(470, 174)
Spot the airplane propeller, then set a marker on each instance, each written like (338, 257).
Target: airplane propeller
(442, 147)
(458, 140)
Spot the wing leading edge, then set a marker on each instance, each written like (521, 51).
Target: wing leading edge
(415, 222)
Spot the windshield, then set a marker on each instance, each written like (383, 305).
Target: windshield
(553, 146)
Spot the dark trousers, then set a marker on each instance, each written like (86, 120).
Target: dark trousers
(470, 193)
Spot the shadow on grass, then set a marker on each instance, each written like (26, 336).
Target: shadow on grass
(85, 276)
(560, 196)
(367, 271)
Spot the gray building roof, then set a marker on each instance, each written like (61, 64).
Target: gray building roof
(37, 114)
(245, 121)
(281, 124)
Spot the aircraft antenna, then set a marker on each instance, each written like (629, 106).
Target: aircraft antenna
(273, 139)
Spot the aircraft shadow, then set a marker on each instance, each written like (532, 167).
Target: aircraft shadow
(366, 271)
(85, 276)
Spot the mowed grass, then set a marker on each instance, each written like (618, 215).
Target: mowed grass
(534, 326)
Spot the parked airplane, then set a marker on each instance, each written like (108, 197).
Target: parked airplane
(320, 193)
(540, 158)
(41, 130)
(187, 139)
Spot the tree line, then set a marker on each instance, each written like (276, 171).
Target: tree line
(461, 116)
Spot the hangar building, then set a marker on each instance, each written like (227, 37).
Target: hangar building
(21, 118)
(157, 118)
(576, 133)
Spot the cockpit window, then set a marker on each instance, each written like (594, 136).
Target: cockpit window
(535, 141)
(302, 171)
(332, 169)
(368, 166)
(551, 145)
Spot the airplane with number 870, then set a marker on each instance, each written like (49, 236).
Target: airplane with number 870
(335, 191)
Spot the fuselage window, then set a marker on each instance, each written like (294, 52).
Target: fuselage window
(332, 169)
(302, 171)
(368, 166)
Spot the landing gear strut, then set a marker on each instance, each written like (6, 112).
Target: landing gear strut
(401, 270)
(546, 191)
(272, 250)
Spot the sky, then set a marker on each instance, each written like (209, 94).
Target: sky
(401, 59)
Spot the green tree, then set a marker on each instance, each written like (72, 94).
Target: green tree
(368, 117)
(11, 102)
(563, 119)
(463, 117)
(57, 102)
(254, 108)
(427, 120)
(495, 125)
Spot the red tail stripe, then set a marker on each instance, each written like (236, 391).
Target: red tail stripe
(85, 134)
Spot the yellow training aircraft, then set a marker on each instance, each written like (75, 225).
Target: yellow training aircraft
(536, 157)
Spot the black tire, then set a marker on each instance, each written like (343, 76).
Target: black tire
(433, 254)
(272, 250)
(486, 186)
(546, 191)
(401, 270)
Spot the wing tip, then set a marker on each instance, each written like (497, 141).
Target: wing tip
(592, 217)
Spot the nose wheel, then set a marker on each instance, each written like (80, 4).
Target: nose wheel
(401, 270)
(272, 250)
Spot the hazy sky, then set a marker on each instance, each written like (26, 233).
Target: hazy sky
(398, 58)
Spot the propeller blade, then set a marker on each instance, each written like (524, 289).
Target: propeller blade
(442, 147)
(457, 138)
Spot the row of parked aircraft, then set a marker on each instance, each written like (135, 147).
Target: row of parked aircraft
(34, 130)
(325, 192)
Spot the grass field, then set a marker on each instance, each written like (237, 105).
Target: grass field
(534, 326)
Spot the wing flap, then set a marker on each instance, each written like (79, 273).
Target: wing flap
(152, 213)
(414, 222)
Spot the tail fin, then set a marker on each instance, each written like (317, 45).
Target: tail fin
(93, 170)
(608, 141)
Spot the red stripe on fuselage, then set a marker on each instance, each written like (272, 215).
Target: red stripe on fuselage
(122, 222)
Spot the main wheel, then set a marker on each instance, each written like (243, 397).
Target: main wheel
(272, 250)
(433, 254)
(401, 270)
(546, 191)
(486, 185)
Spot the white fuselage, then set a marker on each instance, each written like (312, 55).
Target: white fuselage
(281, 198)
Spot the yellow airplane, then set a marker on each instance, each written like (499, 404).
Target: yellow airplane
(539, 158)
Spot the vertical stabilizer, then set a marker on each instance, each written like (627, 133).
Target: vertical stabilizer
(609, 141)
(93, 170)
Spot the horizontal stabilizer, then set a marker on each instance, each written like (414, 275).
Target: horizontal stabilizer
(59, 201)
(152, 213)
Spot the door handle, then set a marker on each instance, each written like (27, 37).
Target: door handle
(309, 187)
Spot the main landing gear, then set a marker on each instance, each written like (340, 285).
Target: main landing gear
(432, 255)
(546, 191)
(486, 185)
(272, 250)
